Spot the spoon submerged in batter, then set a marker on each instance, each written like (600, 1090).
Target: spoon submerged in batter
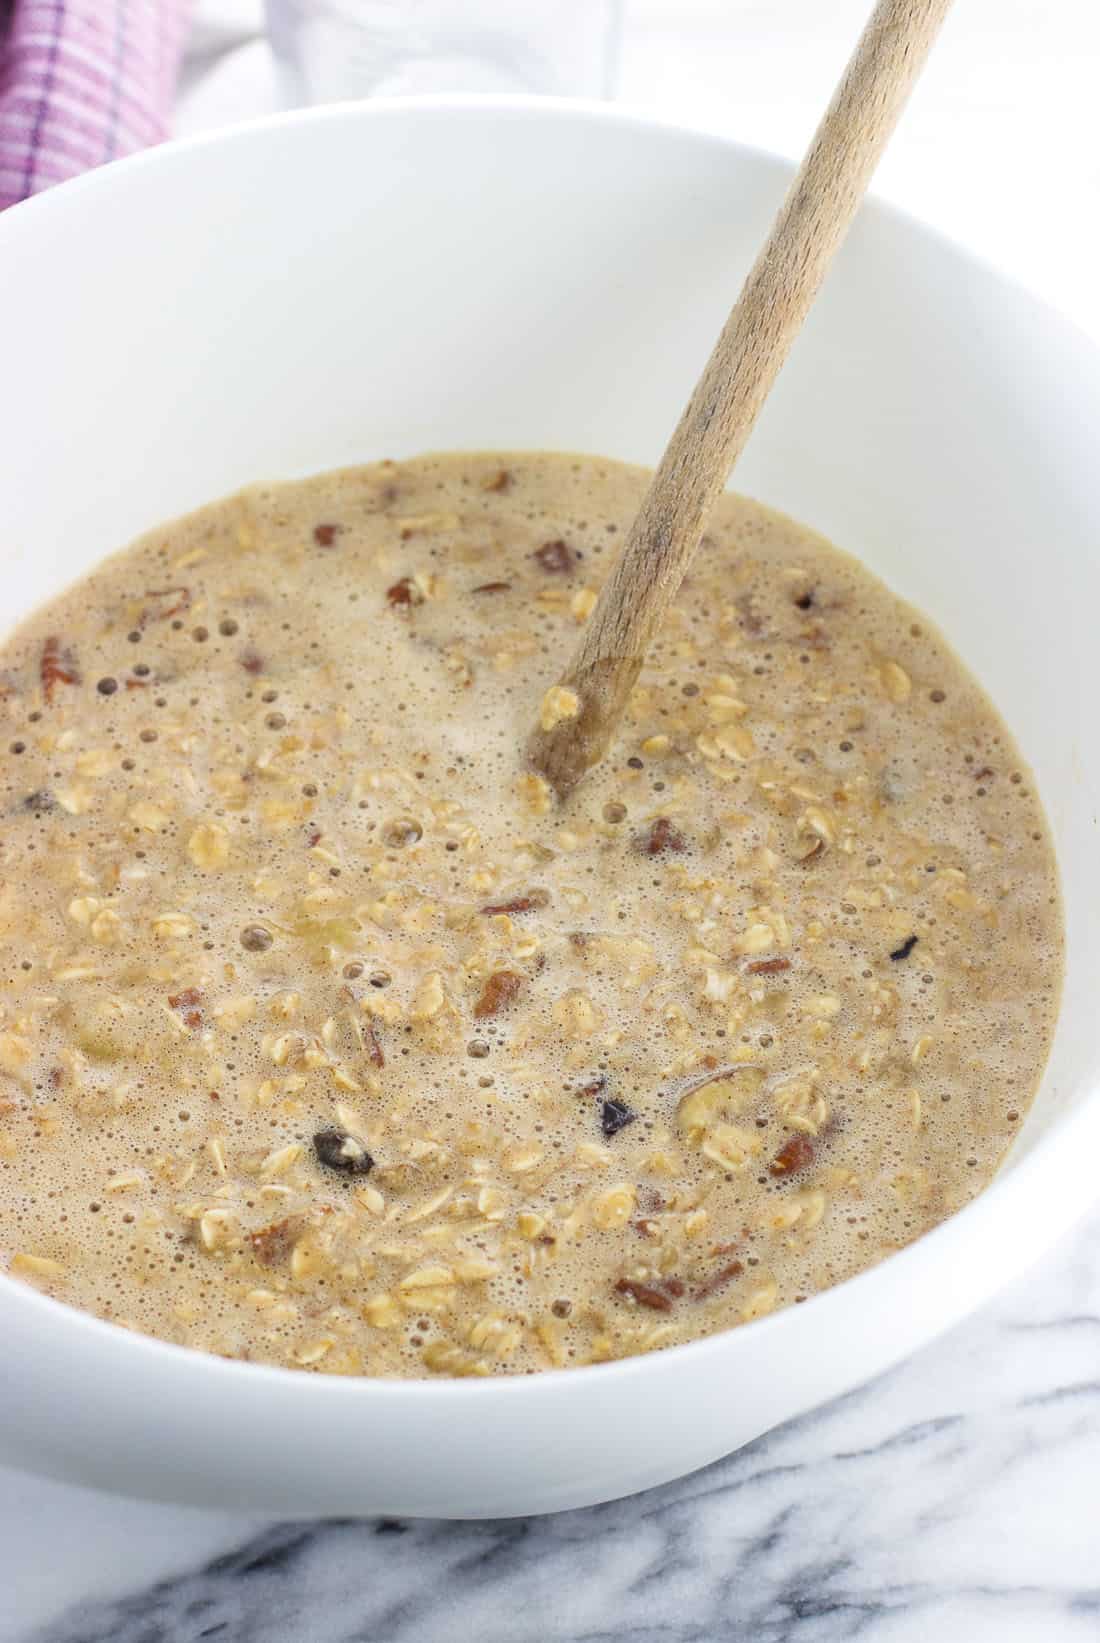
(580, 714)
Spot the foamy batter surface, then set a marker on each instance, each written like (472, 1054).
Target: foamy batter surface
(328, 1040)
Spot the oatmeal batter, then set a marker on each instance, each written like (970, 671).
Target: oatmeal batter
(327, 1039)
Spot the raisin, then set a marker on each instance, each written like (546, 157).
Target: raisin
(255, 939)
(795, 1154)
(41, 799)
(558, 558)
(662, 836)
(500, 989)
(768, 966)
(615, 1116)
(493, 587)
(518, 904)
(905, 949)
(804, 601)
(645, 1294)
(325, 535)
(338, 1150)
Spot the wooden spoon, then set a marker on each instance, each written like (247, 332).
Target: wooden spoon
(580, 714)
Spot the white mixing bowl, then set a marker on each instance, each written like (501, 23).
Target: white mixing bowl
(378, 280)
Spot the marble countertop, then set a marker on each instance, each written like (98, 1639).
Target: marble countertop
(953, 1498)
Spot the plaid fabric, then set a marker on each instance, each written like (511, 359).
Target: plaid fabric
(81, 82)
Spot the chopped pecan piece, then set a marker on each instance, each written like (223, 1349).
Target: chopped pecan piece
(187, 1003)
(252, 661)
(711, 1286)
(271, 1245)
(794, 1155)
(518, 904)
(493, 587)
(404, 594)
(662, 836)
(56, 667)
(657, 1299)
(500, 989)
(325, 535)
(173, 602)
(500, 481)
(558, 558)
(768, 966)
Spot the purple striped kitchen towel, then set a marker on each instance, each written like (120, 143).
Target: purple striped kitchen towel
(82, 81)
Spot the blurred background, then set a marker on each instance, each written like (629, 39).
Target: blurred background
(1000, 148)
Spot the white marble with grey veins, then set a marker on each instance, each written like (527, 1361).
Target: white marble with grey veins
(954, 1499)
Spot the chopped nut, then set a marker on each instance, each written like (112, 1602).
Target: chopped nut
(795, 1154)
(499, 990)
(648, 1295)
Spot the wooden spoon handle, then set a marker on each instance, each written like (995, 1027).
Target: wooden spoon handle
(573, 735)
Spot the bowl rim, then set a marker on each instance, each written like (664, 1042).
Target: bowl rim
(1015, 1181)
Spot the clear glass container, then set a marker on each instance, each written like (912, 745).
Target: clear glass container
(328, 50)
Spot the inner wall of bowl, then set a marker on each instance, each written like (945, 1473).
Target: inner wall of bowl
(513, 278)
